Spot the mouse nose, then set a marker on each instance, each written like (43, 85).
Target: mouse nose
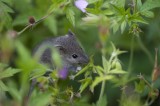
(86, 59)
(83, 60)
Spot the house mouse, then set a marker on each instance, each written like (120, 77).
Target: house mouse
(71, 53)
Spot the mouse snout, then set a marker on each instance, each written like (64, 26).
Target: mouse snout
(85, 60)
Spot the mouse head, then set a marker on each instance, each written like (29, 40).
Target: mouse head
(70, 50)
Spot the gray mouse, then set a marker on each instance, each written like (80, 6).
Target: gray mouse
(71, 53)
(69, 49)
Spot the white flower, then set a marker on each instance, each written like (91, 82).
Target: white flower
(81, 4)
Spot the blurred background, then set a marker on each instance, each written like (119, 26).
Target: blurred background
(14, 16)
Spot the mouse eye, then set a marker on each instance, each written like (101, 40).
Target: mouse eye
(74, 56)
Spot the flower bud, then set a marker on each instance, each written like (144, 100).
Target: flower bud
(31, 20)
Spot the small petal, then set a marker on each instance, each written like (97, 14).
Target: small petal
(63, 73)
(81, 4)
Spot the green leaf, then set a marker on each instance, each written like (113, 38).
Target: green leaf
(70, 16)
(41, 99)
(23, 52)
(115, 26)
(83, 70)
(148, 14)
(139, 19)
(120, 3)
(85, 83)
(118, 10)
(102, 101)
(91, 19)
(5, 18)
(14, 91)
(123, 26)
(37, 73)
(100, 79)
(105, 64)
(3, 87)
(108, 12)
(6, 8)
(139, 4)
(92, 10)
(139, 87)
(150, 4)
(116, 71)
(99, 70)
(52, 8)
(9, 72)
(92, 1)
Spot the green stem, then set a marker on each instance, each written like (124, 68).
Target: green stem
(103, 82)
(131, 55)
(145, 50)
(102, 90)
(30, 25)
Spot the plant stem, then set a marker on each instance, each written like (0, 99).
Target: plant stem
(30, 25)
(102, 90)
(145, 50)
(131, 55)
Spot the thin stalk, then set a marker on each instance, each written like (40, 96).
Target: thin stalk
(131, 55)
(102, 90)
(145, 50)
(103, 82)
(30, 25)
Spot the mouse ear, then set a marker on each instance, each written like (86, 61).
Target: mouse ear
(60, 49)
(71, 34)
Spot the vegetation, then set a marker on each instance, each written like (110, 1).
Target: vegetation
(120, 36)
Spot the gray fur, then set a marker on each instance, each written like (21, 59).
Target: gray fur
(67, 46)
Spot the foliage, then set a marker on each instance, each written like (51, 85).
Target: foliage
(107, 24)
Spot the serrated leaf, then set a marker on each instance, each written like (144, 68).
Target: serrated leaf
(139, 4)
(85, 83)
(5, 18)
(3, 87)
(6, 8)
(139, 19)
(139, 87)
(123, 26)
(70, 16)
(100, 79)
(9, 72)
(150, 4)
(148, 14)
(105, 64)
